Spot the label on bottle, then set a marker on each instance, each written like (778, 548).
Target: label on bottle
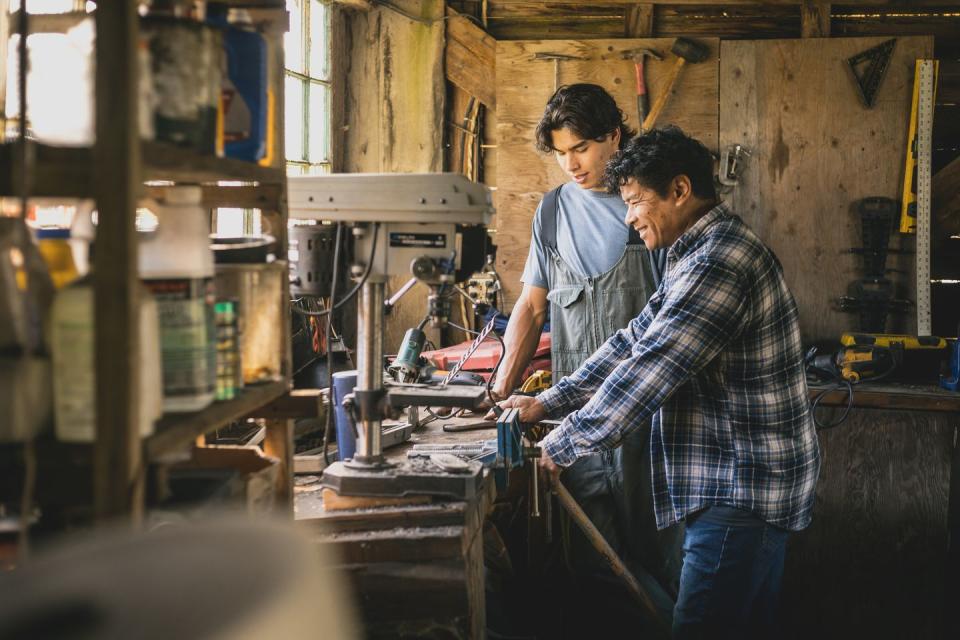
(187, 345)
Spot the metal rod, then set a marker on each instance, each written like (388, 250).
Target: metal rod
(603, 547)
(402, 290)
(370, 361)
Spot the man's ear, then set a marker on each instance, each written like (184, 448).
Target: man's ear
(682, 189)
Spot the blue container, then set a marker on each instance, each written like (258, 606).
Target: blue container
(343, 384)
(244, 98)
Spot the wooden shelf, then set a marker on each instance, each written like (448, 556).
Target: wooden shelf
(176, 431)
(68, 172)
(908, 397)
(163, 161)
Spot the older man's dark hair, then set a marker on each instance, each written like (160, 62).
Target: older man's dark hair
(587, 110)
(656, 157)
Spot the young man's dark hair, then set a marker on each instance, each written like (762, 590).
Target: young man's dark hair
(587, 110)
(656, 157)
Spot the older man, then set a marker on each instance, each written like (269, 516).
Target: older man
(715, 357)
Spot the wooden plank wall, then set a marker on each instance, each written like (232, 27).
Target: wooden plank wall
(873, 562)
(393, 103)
(735, 19)
(816, 152)
(523, 87)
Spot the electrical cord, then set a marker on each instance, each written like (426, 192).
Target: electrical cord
(353, 292)
(331, 405)
(819, 374)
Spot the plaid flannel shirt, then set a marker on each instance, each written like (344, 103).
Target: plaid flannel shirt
(716, 359)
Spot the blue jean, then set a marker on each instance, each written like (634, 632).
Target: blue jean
(730, 581)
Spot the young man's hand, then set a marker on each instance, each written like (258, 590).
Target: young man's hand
(531, 410)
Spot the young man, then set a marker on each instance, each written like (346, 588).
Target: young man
(595, 275)
(716, 359)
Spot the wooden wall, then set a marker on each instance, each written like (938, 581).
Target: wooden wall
(524, 84)
(508, 20)
(816, 152)
(392, 106)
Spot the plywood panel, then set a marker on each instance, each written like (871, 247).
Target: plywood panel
(816, 152)
(873, 563)
(523, 87)
(395, 92)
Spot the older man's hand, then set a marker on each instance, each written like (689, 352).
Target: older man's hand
(531, 410)
(550, 470)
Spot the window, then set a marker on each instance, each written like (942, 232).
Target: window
(307, 88)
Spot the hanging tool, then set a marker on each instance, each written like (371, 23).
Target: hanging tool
(732, 161)
(872, 299)
(687, 51)
(877, 60)
(557, 58)
(643, 102)
(915, 209)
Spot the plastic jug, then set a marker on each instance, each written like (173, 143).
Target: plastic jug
(74, 368)
(25, 297)
(176, 264)
(244, 91)
(54, 245)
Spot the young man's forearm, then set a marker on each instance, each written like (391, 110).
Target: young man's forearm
(520, 343)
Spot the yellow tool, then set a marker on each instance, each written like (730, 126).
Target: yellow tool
(539, 381)
(891, 339)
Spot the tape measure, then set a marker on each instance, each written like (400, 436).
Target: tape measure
(915, 211)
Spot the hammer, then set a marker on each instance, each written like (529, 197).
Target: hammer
(643, 102)
(686, 51)
(556, 57)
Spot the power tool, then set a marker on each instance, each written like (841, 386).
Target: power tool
(870, 356)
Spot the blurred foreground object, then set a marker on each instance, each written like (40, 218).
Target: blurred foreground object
(230, 578)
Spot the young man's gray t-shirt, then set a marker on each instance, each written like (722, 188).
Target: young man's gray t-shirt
(591, 234)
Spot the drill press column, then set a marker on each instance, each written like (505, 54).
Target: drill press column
(370, 363)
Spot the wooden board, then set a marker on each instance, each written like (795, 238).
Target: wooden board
(873, 563)
(816, 152)
(470, 58)
(523, 87)
(394, 107)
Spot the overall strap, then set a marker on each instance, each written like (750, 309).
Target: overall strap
(549, 211)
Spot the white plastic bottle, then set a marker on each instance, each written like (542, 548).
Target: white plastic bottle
(74, 378)
(176, 264)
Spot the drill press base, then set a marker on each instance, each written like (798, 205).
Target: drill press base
(407, 478)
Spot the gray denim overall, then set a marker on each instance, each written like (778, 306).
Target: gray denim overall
(612, 487)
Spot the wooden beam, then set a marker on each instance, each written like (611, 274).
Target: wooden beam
(946, 199)
(814, 19)
(118, 465)
(638, 22)
(719, 3)
(360, 5)
(470, 58)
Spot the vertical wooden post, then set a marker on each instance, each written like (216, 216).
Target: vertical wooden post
(279, 444)
(814, 19)
(279, 439)
(118, 460)
(638, 22)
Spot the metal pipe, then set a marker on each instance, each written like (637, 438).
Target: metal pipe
(370, 362)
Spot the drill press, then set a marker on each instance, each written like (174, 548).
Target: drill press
(401, 224)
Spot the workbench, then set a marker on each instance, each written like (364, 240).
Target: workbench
(413, 568)
(877, 560)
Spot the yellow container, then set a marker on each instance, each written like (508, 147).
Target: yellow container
(54, 246)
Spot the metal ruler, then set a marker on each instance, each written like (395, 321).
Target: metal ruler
(926, 82)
